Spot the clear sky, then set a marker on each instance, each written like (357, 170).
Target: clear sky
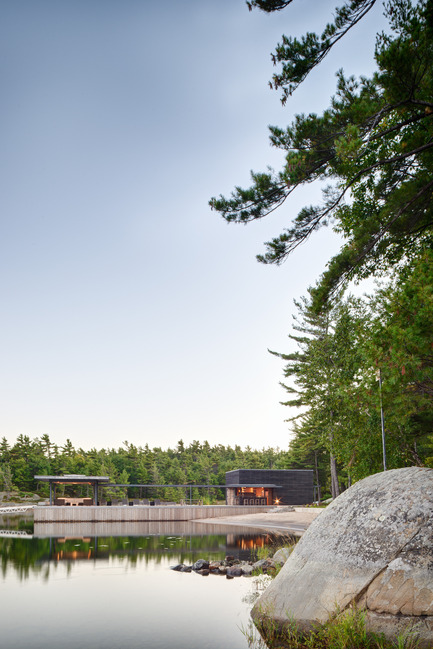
(129, 310)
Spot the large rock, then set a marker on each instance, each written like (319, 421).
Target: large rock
(201, 564)
(280, 557)
(373, 547)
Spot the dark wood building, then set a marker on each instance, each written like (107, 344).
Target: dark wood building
(269, 487)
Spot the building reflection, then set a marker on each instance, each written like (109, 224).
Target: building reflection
(154, 543)
(241, 546)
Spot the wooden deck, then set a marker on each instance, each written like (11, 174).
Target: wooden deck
(137, 513)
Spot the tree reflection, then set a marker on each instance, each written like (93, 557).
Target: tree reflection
(27, 555)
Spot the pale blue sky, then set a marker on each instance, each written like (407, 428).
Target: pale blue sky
(128, 309)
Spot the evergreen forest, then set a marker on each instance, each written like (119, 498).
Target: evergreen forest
(195, 464)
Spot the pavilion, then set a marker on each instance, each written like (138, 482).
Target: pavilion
(77, 479)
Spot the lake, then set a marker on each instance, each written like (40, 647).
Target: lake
(113, 588)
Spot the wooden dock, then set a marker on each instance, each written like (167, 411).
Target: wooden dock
(140, 513)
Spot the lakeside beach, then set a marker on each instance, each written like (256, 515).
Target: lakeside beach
(294, 522)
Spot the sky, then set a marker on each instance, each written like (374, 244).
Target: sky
(129, 310)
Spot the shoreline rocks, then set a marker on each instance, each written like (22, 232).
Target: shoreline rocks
(371, 548)
(231, 567)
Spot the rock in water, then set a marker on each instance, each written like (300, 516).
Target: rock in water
(179, 567)
(372, 547)
(201, 564)
(234, 571)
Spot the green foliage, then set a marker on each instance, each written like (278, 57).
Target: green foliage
(321, 373)
(346, 630)
(399, 343)
(375, 142)
(198, 463)
(332, 378)
(6, 477)
(299, 57)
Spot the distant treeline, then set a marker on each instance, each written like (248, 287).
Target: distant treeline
(197, 463)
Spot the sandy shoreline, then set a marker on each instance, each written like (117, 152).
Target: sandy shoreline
(295, 522)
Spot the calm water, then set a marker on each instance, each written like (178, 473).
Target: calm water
(108, 590)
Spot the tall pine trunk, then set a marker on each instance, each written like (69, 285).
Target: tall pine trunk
(316, 468)
(335, 488)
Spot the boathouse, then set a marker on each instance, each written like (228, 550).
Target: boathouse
(269, 487)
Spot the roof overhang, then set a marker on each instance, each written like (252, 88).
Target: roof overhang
(254, 486)
(72, 478)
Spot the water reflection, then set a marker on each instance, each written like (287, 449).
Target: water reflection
(95, 588)
(29, 552)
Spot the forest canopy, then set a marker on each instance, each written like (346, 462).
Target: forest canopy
(198, 463)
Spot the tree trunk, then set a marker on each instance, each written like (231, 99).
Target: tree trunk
(319, 495)
(335, 488)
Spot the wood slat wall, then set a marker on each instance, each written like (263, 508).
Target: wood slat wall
(138, 513)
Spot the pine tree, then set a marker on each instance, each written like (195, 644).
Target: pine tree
(321, 372)
(375, 141)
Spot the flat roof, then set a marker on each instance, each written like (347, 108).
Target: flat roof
(269, 470)
(73, 478)
(255, 486)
